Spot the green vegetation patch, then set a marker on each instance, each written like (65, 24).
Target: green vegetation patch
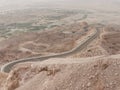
(21, 25)
(36, 28)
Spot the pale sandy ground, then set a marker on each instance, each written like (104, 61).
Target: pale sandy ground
(56, 40)
(96, 73)
(108, 43)
(99, 71)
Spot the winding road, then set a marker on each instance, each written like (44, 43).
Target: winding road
(7, 67)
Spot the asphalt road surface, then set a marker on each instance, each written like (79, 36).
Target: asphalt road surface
(7, 67)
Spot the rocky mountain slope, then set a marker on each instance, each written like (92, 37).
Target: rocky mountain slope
(95, 68)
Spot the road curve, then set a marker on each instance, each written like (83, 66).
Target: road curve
(7, 67)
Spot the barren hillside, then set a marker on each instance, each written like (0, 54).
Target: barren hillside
(56, 40)
(59, 44)
(67, 74)
(95, 68)
(108, 43)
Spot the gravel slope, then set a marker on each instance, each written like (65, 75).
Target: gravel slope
(96, 73)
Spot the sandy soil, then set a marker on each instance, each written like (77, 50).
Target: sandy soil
(52, 41)
(96, 68)
(111, 42)
(108, 43)
(96, 73)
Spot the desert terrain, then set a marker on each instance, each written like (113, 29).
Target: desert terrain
(49, 48)
(97, 68)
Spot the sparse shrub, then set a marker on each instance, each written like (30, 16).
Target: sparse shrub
(104, 66)
(89, 50)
